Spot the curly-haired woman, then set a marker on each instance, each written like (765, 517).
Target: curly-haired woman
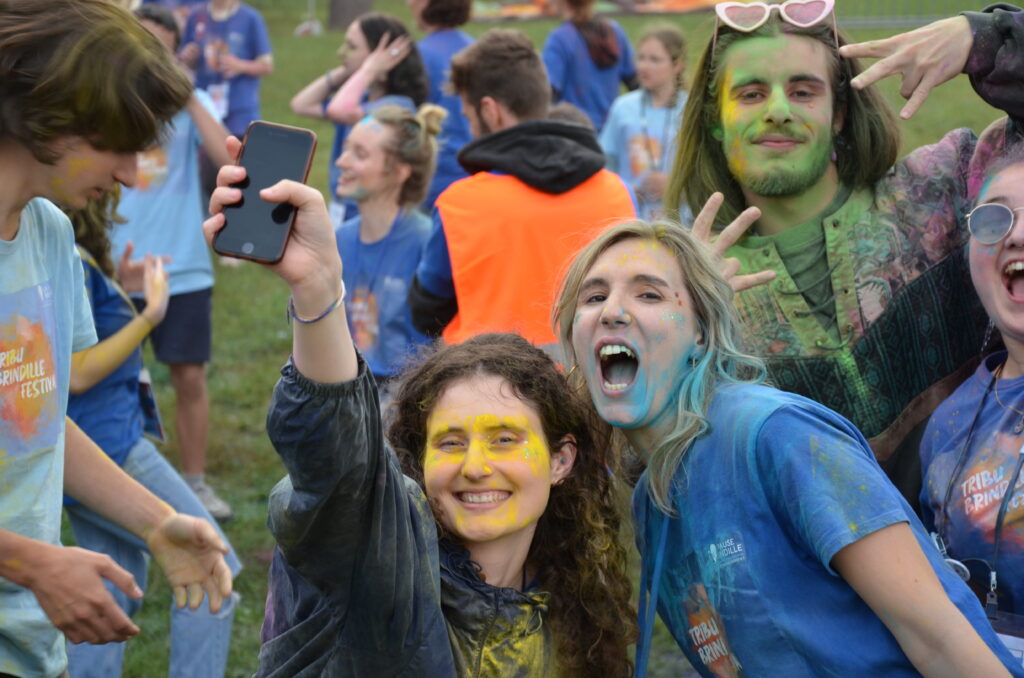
(485, 544)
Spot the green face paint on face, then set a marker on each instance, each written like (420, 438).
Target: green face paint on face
(776, 114)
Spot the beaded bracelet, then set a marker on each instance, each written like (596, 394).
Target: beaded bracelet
(310, 321)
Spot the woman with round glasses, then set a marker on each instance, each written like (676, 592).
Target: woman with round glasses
(973, 448)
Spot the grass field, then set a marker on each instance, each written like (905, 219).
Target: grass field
(251, 338)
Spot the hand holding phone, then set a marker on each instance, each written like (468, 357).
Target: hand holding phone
(253, 227)
(310, 264)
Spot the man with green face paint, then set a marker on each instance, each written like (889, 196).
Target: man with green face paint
(871, 311)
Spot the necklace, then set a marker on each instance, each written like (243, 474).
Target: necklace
(656, 163)
(1019, 427)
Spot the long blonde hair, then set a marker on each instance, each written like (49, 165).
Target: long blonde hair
(720, 360)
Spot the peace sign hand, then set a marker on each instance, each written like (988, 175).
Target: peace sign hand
(729, 266)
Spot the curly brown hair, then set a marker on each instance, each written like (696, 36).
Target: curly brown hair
(577, 548)
(92, 224)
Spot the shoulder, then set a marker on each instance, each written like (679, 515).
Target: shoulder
(769, 413)
(249, 13)
(628, 101)
(49, 227)
(417, 224)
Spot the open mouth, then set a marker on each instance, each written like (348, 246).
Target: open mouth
(488, 497)
(1013, 278)
(618, 366)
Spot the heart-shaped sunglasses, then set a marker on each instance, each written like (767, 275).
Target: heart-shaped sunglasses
(749, 16)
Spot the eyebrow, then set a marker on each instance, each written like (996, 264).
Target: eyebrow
(799, 77)
(647, 278)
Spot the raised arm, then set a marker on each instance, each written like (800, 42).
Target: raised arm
(95, 363)
(346, 106)
(211, 131)
(309, 102)
(985, 45)
(345, 518)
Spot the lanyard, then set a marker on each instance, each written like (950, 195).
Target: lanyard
(89, 259)
(656, 163)
(991, 603)
(647, 607)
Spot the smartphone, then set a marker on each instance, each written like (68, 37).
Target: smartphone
(254, 228)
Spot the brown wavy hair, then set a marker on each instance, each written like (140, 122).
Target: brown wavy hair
(577, 548)
(866, 147)
(83, 68)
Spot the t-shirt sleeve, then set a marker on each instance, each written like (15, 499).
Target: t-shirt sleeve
(85, 330)
(554, 61)
(435, 268)
(627, 61)
(610, 136)
(821, 480)
(260, 38)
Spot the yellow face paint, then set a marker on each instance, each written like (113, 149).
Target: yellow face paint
(486, 465)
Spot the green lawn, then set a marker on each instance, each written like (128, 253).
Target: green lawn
(252, 339)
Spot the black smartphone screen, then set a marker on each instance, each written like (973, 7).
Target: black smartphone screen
(254, 228)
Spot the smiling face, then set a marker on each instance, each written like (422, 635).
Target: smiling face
(486, 467)
(355, 49)
(654, 66)
(998, 270)
(367, 169)
(83, 173)
(634, 332)
(776, 124)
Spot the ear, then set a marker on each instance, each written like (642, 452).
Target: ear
(490, 112)
(402, 172)
(839, 120)
(563, 457)
(716, 132)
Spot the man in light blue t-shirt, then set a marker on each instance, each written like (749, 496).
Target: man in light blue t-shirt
(47, 589)
(164, 216)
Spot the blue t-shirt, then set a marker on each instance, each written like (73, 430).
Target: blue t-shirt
(377, 278)
(437, 50)
(244, 35)
(575, 76)
(638, 138)
(44, 317)
(341, 133)
(976, 493)
(164, 211)
(109, 412)
(763, 502)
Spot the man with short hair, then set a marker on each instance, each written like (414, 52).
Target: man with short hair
(56, 144)
(538, 191)
(872, 313)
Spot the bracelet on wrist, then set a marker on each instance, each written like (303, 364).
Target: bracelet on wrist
(309, 321)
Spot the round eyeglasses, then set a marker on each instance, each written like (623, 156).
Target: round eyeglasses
(991, 222)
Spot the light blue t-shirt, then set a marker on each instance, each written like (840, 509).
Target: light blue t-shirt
(575, 76)
(437, 50)
(638, 138)
(377, 278)
(44, 317)
(763, 503)
(164, 211)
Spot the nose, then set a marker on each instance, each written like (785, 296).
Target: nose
(475, 466)
(778, 110)
(614, 313)
(127, 170)
(1015, 238)
(342, 160)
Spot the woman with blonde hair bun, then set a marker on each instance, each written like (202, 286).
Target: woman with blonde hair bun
(386, 166)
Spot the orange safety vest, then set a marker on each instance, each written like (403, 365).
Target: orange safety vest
(510, 245)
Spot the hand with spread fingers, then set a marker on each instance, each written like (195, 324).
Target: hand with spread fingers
(924, 58)
(727, 238)
(191, 555)
(388, 54)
